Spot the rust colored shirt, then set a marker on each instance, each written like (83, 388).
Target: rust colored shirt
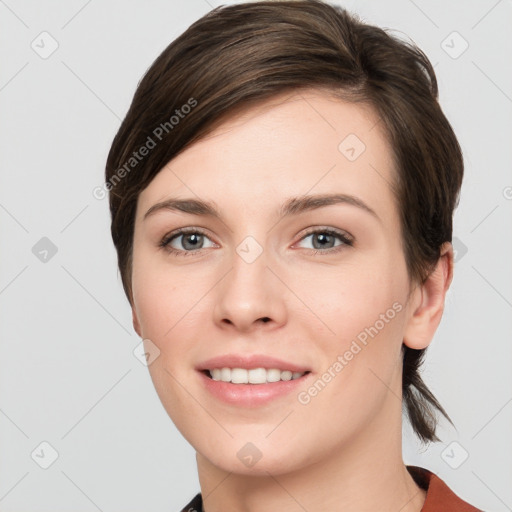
(440, 498)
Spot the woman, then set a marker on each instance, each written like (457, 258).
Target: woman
(282, 192)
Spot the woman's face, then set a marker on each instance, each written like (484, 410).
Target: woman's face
(320, 285)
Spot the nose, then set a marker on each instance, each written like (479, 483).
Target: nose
(250, 296)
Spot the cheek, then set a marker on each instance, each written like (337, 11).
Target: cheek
(172, 305)
(151, 300)
(360, 370)
(364, 310)
(358, 297)
(160, 295)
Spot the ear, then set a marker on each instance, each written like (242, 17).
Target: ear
(427, 302)
(135, 320)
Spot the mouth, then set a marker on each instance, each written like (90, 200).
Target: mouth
(251, 380)
(253, 375)
(252, 388)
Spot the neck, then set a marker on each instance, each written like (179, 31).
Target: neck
(366, 473)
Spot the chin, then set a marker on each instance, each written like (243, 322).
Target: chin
(252, 458)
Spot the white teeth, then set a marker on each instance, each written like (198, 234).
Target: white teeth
(253, 376)
(286, 375)
(273, 375)
(257, 376)
(239, 376)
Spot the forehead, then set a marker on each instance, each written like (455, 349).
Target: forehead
(289, 145)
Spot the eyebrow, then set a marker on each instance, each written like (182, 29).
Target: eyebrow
(292, 206)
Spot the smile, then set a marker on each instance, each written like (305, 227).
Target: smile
(253, 376)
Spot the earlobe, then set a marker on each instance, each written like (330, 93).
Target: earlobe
(428, 302)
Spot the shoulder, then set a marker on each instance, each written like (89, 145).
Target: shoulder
(439, 496)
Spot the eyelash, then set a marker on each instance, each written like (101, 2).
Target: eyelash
(346, 239)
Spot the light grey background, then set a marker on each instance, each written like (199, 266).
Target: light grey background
(68, 376)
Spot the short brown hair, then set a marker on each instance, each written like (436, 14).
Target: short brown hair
(244, 53)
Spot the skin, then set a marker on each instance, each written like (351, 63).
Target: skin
(326, 454)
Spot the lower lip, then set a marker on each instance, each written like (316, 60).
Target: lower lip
(251, 395)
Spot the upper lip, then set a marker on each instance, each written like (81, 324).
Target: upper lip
(249, 362)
